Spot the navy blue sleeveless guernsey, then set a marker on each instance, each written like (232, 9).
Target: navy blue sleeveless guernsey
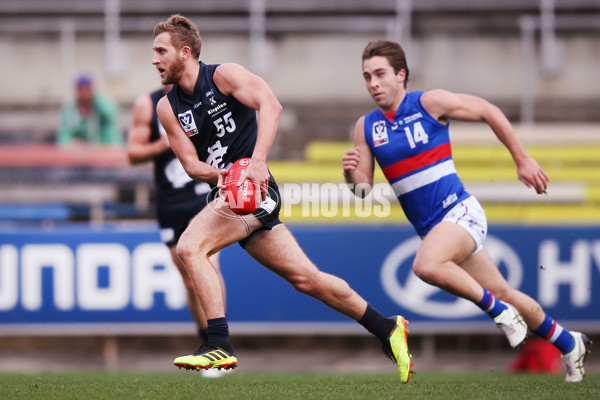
(174, 188)
(414, 153)
(221, 128)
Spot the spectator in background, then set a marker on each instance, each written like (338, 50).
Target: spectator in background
(91, 118)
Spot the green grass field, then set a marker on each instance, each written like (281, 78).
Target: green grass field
(188, 385)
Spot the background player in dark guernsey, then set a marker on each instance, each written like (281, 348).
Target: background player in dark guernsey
(211, 121)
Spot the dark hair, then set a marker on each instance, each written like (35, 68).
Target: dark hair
(390, 50)
(183, 33)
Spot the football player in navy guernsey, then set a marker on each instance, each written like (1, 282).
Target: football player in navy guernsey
(408, 136)
(210, 116)
(178, 197)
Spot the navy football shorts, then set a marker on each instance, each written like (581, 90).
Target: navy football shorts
(174, 220)
(268, 212)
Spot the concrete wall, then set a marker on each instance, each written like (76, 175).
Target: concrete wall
(304, 67)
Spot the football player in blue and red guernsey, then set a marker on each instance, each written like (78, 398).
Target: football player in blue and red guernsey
(408, 136)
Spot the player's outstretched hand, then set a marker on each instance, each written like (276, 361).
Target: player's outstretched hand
(532, 175)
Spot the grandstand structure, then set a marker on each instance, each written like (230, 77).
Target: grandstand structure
(534, 58)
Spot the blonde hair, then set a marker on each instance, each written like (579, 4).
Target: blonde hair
(183, 33)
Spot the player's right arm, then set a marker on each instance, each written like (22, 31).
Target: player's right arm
(358, 163)
(139, 149)
(183, 147)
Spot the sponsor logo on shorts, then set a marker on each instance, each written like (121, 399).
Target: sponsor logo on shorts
(268, 205)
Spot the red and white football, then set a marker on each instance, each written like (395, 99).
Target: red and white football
(242, 199)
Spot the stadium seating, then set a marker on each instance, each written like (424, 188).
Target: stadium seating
(489, 173)
(299, 152)
(46, 183)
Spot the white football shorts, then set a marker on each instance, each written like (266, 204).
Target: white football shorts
(470, 215)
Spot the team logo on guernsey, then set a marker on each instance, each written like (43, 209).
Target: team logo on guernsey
(211, 97)
(187, 123)
(380, 135)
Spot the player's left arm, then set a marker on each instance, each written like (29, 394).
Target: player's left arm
(252, 91)
(444, 105)
(183, 147)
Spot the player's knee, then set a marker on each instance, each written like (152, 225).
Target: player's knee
(307, 283)
(182, 250)
(190, 247)
(426, 271)
(186, 249)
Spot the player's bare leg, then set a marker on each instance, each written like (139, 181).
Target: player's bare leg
(194, 305)
(440, 261)
(192, 300)
(278, 250)
(481, 267)
(444, 260)
(437, 259)
(574, 350)
(214, 228)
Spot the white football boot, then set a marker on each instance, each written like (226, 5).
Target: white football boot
(512, 325)
(574, 360)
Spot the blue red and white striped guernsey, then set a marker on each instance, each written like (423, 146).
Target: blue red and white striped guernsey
(413, 150)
